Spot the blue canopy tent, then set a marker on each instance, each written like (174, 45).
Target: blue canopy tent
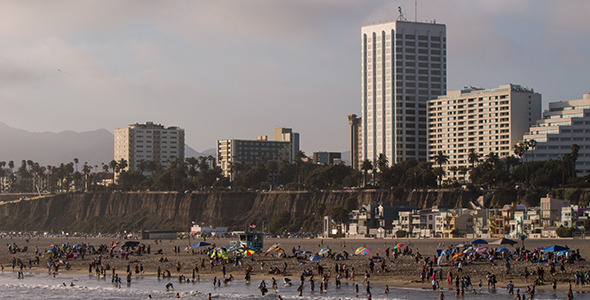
(554, 248)
(479, 242)
(200, 244)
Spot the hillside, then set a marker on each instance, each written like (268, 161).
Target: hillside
(50, 148)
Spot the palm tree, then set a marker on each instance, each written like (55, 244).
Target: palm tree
(511, 162)
(454, 170)
(473, 157)
(366, 167)
(440, 158)
(574, 157)
(113, 164)
(463, 171)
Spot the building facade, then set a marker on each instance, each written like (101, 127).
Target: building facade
(564, 124)
(287, 135)
(148, 142)
(485, 120)
(327, 158)
(249, 152)
(356, 134)
(403, 66)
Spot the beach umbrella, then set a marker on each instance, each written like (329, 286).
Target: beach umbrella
(279, 250)
(398, 246)
(481, 250)
(315, 257)
(273, 247)
(365, 251)
(115, 244)
(504, 241)
(554, 248)
(460, 246)
(458, 255)
(324, 250)
(248, 252)
(77, 246)
(11, 245)
(200, 244)
(302, 252)
(359, 250)
(47, 254)
(52, 250)
(502, 250)
(479, 242)
(470, 250)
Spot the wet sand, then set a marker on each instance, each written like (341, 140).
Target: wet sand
(403, 272)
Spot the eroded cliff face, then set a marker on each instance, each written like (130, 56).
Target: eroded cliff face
(114, 211)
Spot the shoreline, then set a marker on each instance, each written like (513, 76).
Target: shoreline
(400, 273)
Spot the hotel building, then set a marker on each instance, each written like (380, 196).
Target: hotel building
(564, 124)
(249, 152)
(491, 120)
(148, 142)
(403, 66)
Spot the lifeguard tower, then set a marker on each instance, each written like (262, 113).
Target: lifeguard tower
(252, 240)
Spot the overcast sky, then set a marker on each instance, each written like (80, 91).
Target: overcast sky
(238, 69)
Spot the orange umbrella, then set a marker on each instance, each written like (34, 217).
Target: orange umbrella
(458, 255)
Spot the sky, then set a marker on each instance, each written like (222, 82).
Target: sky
(238, 69)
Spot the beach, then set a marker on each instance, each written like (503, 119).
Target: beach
(403, 271)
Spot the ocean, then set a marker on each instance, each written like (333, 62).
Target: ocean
(44, 286)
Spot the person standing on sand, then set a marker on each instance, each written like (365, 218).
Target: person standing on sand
(442, 296)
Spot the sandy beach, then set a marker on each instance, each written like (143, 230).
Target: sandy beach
(401, 272)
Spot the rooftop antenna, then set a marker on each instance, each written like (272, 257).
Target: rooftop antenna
(401, 14)
(415, 10)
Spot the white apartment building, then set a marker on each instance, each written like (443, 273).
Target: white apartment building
(486, 120)
(403, 66)
(564, 124)
(148, 142)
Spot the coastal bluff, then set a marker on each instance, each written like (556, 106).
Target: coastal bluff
(132, 211)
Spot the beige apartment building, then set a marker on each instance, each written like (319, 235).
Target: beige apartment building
(485, 120)
(149, 142)
(404, 64)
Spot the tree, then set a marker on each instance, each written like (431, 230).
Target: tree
(366, 167)
(440, 159)
(339, 214)
(473, 157)
(575, 149)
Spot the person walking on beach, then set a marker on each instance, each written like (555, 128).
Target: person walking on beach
(442, 296)
(510, 287)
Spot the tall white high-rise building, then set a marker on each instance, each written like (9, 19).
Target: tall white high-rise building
(403, 66)
(148, 142)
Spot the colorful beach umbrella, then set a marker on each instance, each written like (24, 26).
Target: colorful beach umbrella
(359, 250)
(502, 250)
(398, 246)
(47, 254)
(273, 247)
(324, 250)
(458, 255)
(248, 252)
(365, 251)
(481, 250)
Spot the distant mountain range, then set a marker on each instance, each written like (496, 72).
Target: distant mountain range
(50, 148)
